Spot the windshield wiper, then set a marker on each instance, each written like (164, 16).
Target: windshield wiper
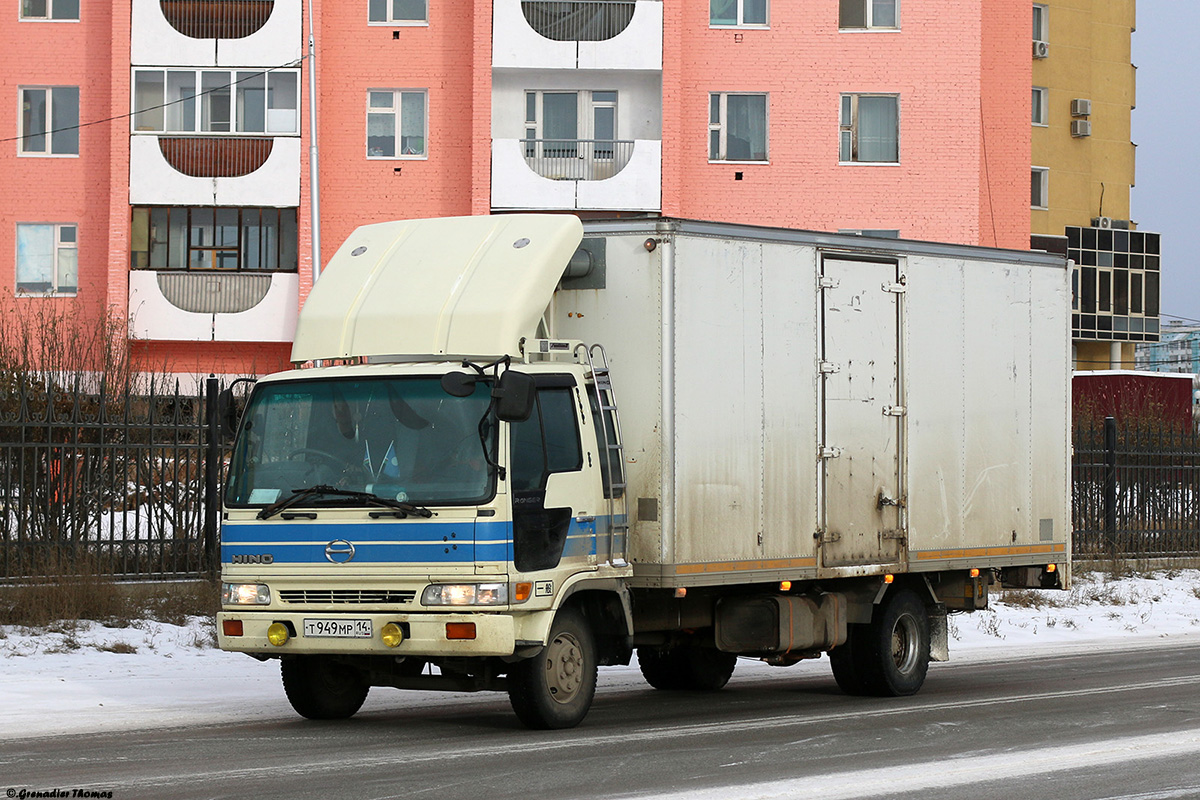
(369, 498)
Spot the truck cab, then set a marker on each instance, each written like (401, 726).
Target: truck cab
(420, 519)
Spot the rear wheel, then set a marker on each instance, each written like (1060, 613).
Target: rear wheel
(554, 689)
(895, 647)
(319, 687)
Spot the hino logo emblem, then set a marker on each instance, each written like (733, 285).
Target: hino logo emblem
(254, 558)
(339, 551)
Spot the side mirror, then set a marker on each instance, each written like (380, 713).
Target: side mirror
(228, 413)
(459, 384)
(514, 395)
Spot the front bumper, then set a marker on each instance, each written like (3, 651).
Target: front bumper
(495, 634)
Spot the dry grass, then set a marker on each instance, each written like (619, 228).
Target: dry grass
(69, 591)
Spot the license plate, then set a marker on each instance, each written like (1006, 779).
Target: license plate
(338, 628)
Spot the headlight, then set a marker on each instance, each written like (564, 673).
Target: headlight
(245, 594)
(465, 594)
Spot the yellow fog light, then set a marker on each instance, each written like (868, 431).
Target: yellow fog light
(391, 634)
(278, 634)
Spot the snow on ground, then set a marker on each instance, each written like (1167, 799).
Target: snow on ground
(87, 678)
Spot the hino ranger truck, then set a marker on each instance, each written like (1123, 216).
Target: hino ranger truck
(517, 448)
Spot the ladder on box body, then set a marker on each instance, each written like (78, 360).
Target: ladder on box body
(611, 444)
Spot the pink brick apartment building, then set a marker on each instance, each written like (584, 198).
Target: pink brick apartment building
(157, 149)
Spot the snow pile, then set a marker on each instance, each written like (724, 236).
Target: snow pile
(84, 677)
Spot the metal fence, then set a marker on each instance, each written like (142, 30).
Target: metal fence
(577, 159)
(125, 481)
(1136, 489)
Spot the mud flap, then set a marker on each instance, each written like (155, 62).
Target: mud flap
(939, 634)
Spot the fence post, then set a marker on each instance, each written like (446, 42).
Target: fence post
(1110, 481)
(212, 470)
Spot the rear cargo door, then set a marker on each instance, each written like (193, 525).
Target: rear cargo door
(861, 453)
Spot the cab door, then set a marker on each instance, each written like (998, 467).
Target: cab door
(551, 478)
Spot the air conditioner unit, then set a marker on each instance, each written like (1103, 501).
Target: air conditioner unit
(1102, 222)
(1081, 107)
(1041, 49)
(1081, 128)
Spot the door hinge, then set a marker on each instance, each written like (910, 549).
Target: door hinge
(894, 411)
(893, 533)
(826, 536)
(895, 288)
(828, 367)
(830, 452)
(824, 282)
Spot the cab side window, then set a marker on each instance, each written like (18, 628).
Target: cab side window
(546, 442)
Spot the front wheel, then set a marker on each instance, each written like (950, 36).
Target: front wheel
(319, 687)
(554, 689)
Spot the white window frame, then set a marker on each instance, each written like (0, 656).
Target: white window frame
(391, 21)
(1042, 176)
(721, 128)
(1040, 98)
(49, 16)
(230, 78)
(848, 126)
(1042, 11)
(741, 17)
(585, 109)
(396, 111)
(869, 15)
(48, 134)
(59, 246)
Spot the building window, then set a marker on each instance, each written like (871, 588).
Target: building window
(1041, 112)
(393, 113)
(560, 123)
(216, 101)
(1039, 183)
(50, 121)
(737, 127)
(398, 12)
(869, 14)
(737, 13)
(47, 259)
(206, 238)
(870, 128)
(1041, 23)
(50, 10)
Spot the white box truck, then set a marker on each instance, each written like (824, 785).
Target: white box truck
(823, 444)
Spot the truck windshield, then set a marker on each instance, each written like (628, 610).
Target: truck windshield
(399, 438)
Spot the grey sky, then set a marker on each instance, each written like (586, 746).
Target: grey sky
(1166, 124)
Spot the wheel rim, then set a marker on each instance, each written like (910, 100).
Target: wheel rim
(905, 638)
(564, 668)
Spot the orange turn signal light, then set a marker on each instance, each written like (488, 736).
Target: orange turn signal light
(522, 591)
(785, 586)
(1051, 567)
(974, 573)
(460, 630)
(889, 578)
(232, 627)
(681, 591)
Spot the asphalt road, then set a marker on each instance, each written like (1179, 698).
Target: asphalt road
(1088, 726)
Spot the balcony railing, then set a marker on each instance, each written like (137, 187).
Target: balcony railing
(215, 156)
(217, 19)
(577, 159)
(578, 20)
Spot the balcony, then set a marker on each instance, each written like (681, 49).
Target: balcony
(212, 306)
(577, 174)
(203, 33)
(577, 34)
(214, 170)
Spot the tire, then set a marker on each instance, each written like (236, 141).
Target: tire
(554, 689)
(701, 669)
(845, 664)
(892, 653)
(322, 688)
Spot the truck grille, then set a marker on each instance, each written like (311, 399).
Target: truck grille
(350, 596)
